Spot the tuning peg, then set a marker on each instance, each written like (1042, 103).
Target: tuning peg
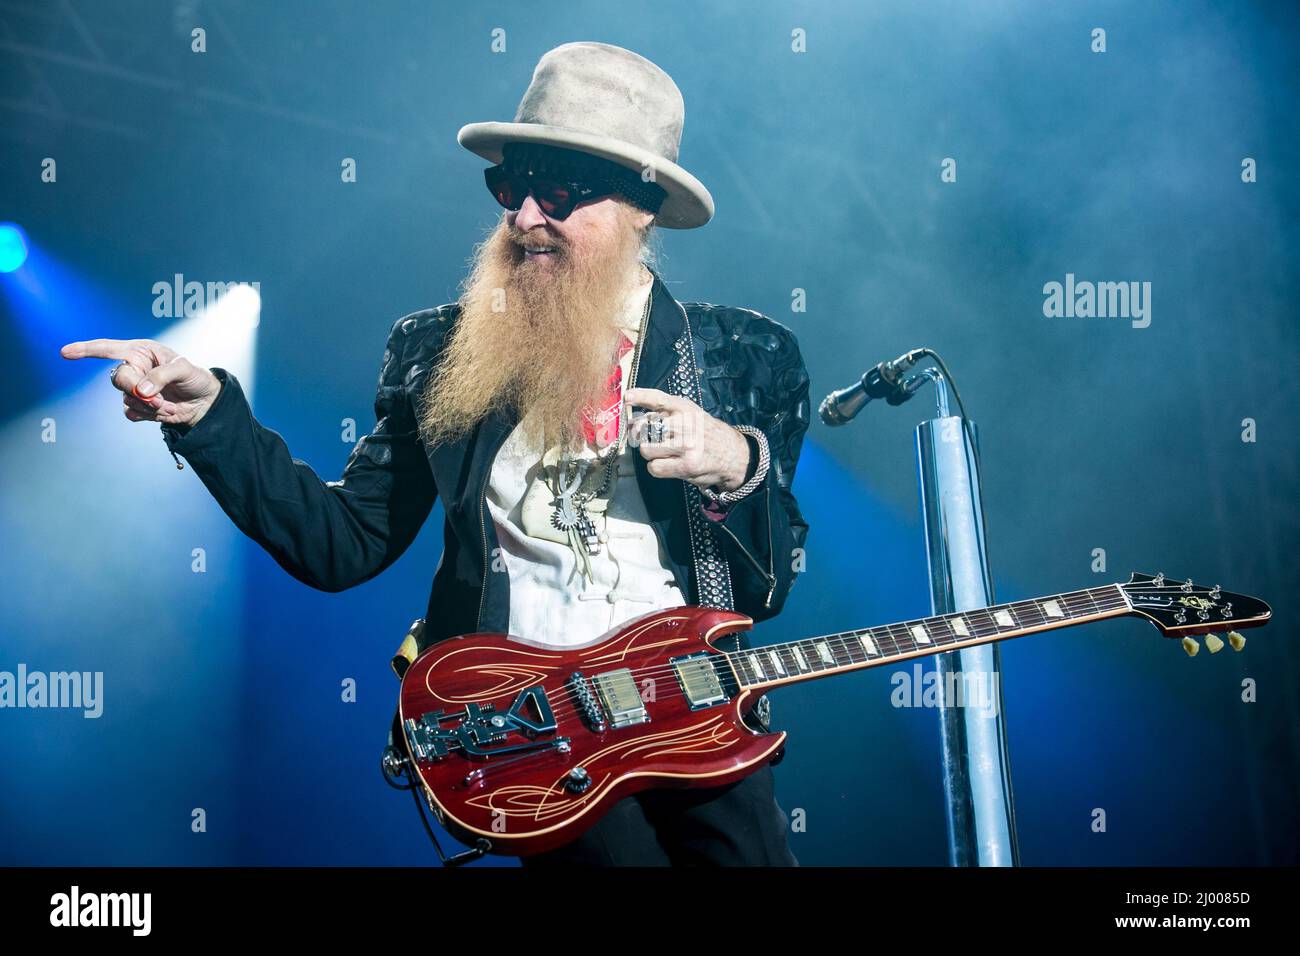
(1213, 643)
(1236, 640)
(1191, 647)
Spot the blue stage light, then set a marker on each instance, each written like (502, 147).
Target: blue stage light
(13, 246)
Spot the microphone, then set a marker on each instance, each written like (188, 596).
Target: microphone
(883, 381)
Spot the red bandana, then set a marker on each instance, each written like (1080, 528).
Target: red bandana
(601, 427)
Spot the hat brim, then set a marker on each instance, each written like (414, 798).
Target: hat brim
(687, 205)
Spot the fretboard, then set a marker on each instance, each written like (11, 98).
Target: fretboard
(851, 650)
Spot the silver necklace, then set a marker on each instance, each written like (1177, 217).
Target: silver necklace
(571, 508)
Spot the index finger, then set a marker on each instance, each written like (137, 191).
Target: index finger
(653, 399)
(96, 348)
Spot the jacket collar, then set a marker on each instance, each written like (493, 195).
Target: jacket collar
(667, 323)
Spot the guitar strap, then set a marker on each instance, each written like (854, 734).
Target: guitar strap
(408, 650)
(712, 574)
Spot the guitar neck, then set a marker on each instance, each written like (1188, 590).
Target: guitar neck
(815, 657)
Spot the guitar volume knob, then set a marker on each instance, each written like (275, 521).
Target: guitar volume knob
(578, 780)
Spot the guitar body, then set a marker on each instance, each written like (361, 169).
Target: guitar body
(526, 746)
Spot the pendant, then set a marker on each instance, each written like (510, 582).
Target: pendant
(565, 516)
(587, 531)
(567, 512)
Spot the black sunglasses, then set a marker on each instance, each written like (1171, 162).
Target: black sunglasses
(556, 197)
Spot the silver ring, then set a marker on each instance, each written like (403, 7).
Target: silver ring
(112, 376)
(655, 429)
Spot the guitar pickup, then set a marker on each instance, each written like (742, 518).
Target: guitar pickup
(699, 681)
(620, 698)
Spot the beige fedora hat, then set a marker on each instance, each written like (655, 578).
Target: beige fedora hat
(612, 103)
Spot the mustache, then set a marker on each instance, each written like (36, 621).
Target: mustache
(534, 239)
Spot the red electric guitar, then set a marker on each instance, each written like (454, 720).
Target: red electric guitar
(520, 747)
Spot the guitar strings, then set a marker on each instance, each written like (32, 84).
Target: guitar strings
(893, 634)
(846, 641)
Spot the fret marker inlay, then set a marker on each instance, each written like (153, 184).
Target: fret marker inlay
(814, 656)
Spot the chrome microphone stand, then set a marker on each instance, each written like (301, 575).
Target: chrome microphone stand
(976, 767)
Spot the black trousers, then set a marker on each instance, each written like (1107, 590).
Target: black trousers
(739, 824)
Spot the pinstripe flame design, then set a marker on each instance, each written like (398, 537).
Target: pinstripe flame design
(543, 804)
(512, 680)
(617, 650)
(533, 667)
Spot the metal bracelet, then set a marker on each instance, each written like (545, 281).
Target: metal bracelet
(764, 460)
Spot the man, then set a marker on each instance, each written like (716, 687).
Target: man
(564, 517)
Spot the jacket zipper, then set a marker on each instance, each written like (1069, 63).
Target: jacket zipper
(771, 556)
(640, 340)
(769, 574)
(482, 527)
(482, 591)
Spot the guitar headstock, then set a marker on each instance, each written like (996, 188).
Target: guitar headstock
(1182, 609)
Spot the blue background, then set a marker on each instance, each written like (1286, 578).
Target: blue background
(223, 688)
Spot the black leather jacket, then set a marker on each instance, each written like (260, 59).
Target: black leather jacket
(740, 366)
